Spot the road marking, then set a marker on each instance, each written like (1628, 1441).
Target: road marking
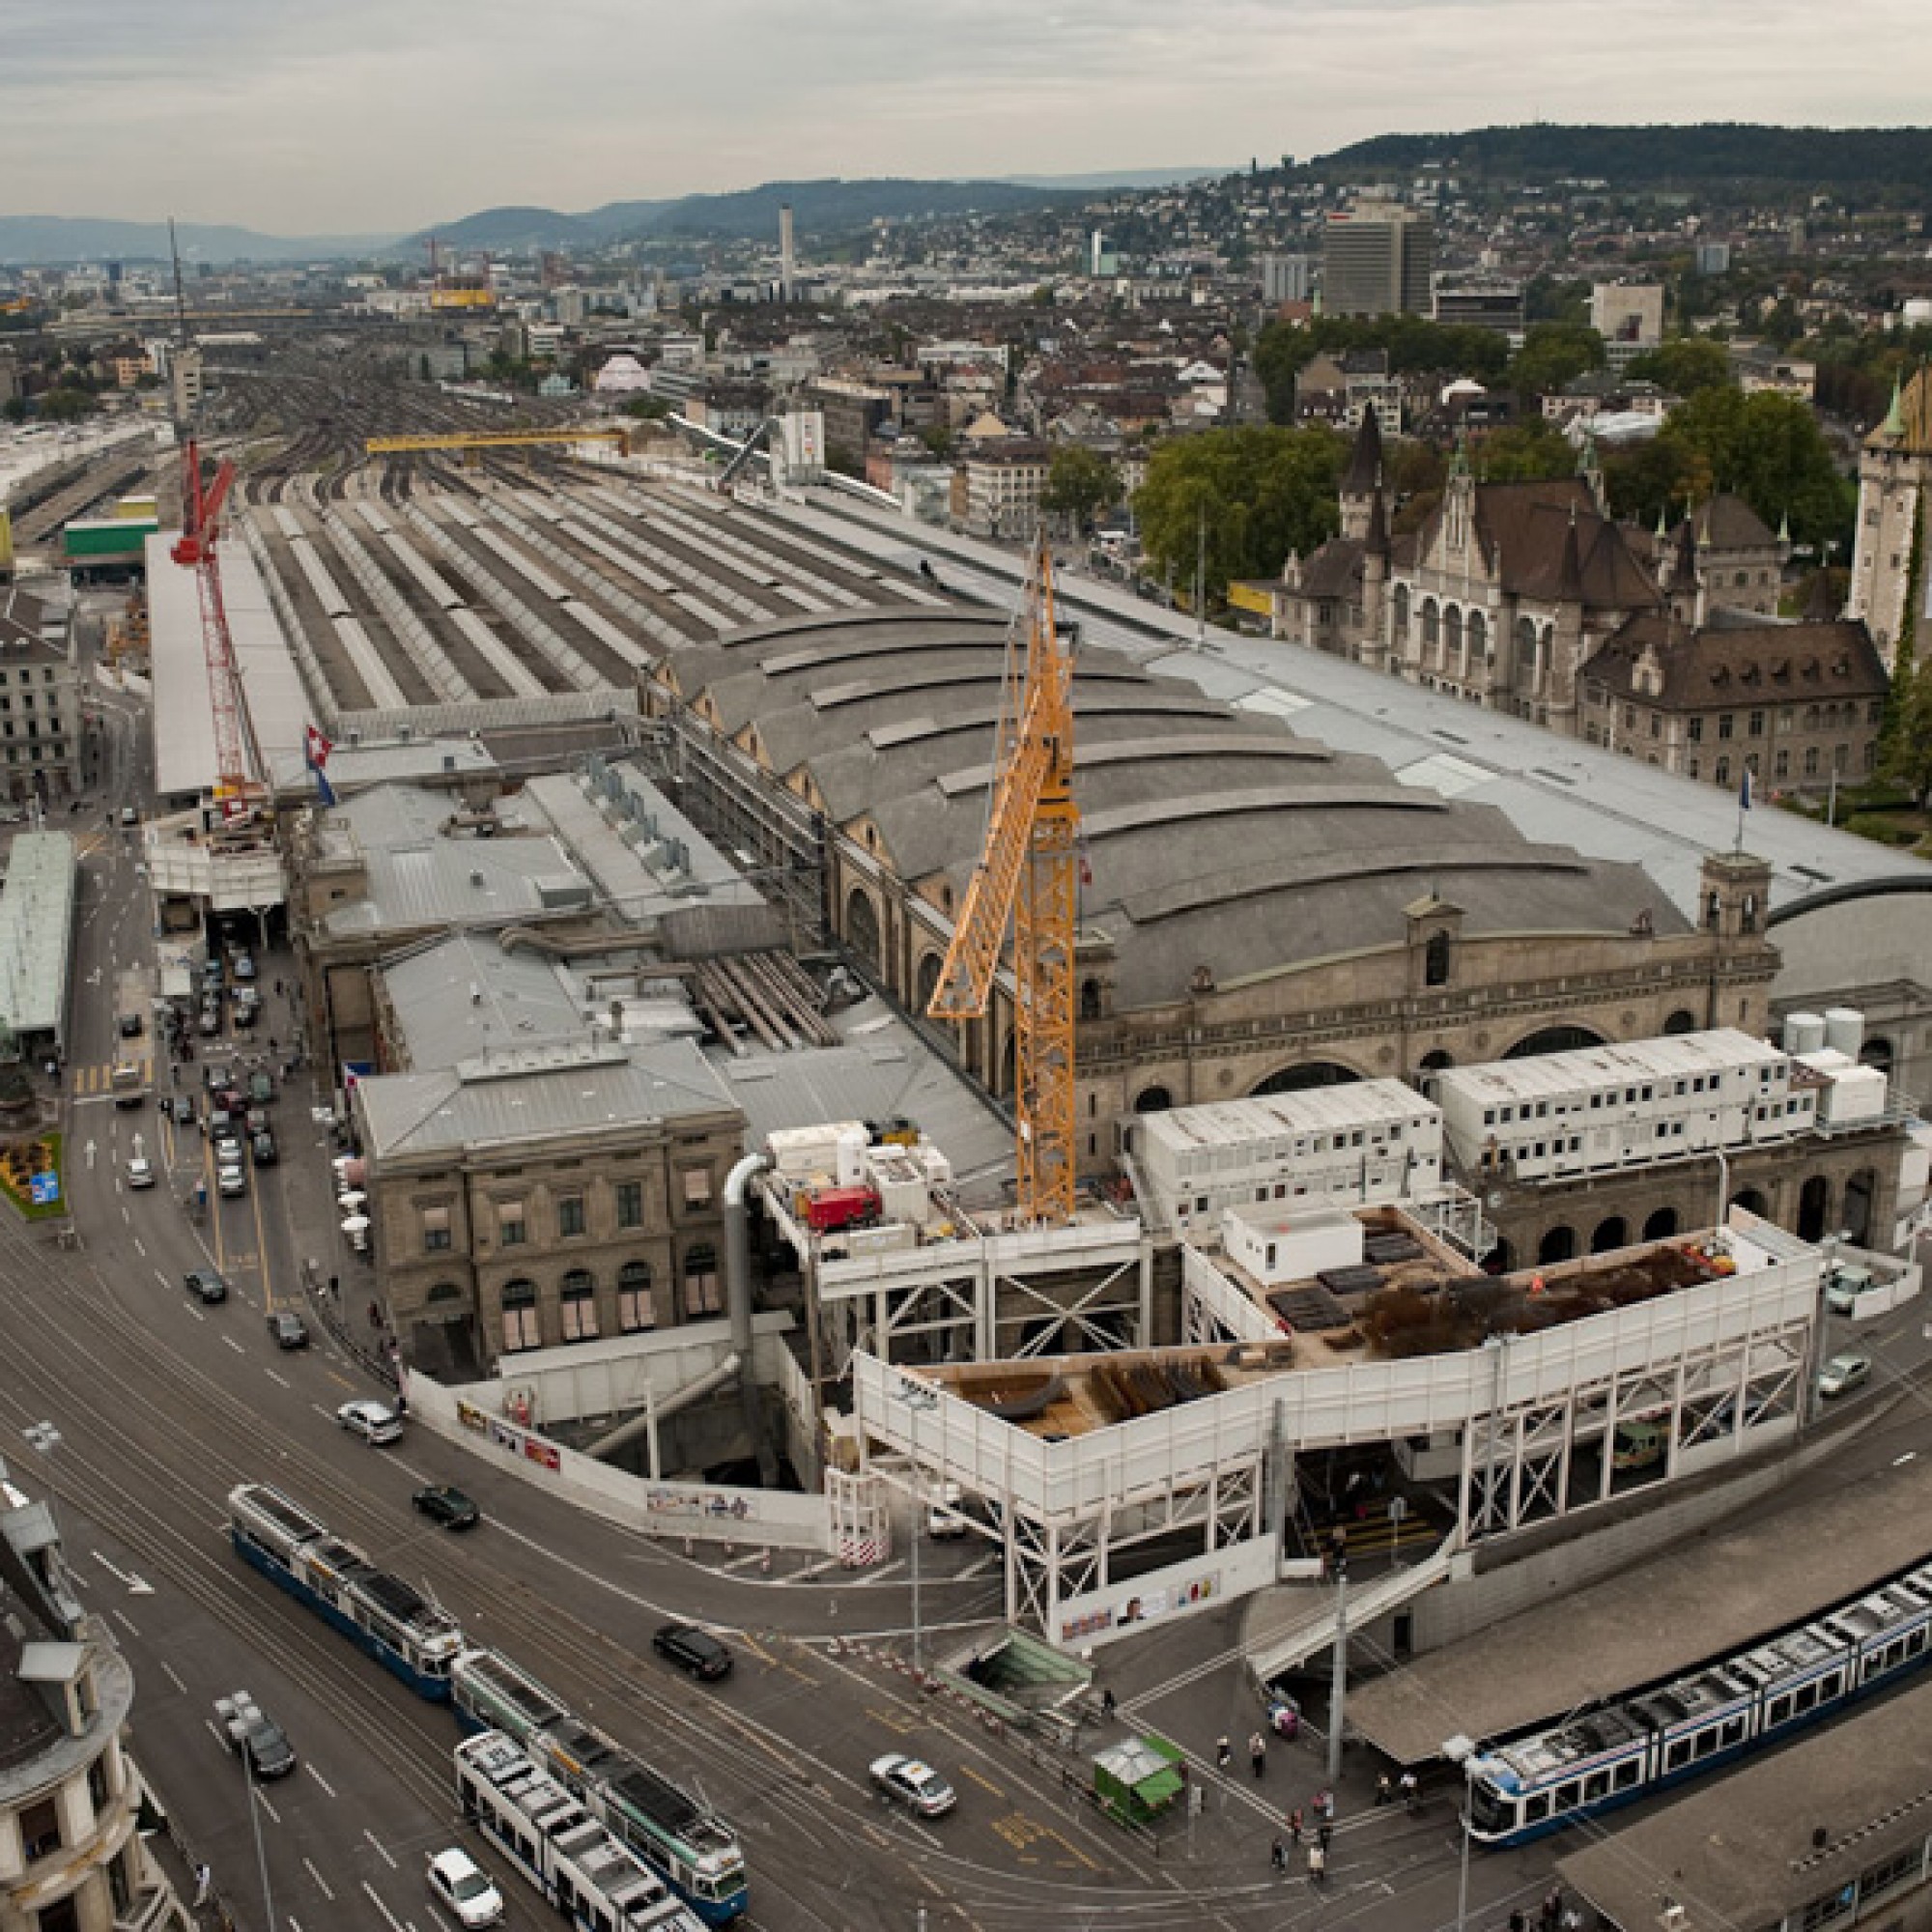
(742, 1562)
(387, 1860)
(140, 1248)
(235, 1344)
(388, 1918)
(326, 1785)
(160, 1277)
(275, 1378)
(133, 1628)
(261, 1798)
(984, 1783)
(173, 1678)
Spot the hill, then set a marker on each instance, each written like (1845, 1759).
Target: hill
(49, 239)
(1731, 152)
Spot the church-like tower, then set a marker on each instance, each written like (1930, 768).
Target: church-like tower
(1894, 480)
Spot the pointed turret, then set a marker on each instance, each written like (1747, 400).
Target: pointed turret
(1570, 578)
(1894, 424)
(1365, 464)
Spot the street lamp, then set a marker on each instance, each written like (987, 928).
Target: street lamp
(1461, 1750)
(1723, 1187)
(917, 1400)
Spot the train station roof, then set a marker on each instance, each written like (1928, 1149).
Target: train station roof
(37, 932)
(185, 761)
(1798, 1827)
(1689, 1602)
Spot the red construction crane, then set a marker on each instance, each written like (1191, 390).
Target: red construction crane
(236, 787)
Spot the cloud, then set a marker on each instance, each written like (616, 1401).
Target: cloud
(363, 114)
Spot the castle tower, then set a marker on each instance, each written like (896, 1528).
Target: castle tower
(1363, 480)
(1894, 478)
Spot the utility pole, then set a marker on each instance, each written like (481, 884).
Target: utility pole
(1338, 1687)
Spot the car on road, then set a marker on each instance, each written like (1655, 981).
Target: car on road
(288, 1328)
(945, 1513)
(245, 1017)
(374, 1422)
(261, 1089)
(1844, 1372)
(460, 1884)
(184, 1111)
(263, 1147)
(140, 1172)
(914, 1784)
(129, 817)
(693, 1650)
(206, 1284)
(254, 1736)
(244, 967)
(210, 1022)
(130, 1026)
(231, 1181)
(442, 1503)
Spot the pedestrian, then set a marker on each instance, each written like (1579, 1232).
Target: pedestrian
(1325, 1834)
(1278, 1856)
(1318, 1863)
(1257, 1752)
(1384, 1789)
(1411, 1791)
(1224, 1753)
(1573, 1919)
(1552, 1909)
(1285, 1719)
(1108, 1705)
(375, 1316)
(1325, 1805)
(204, 1885)
(1517, 1921)
(1295, 1826)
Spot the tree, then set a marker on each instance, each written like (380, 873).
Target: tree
(1553, 355)
(65, 406)
(1530, 451)
(1905, 737)
(1080, 483)
(1683, 365)
(1769, 449)
(1261, 492)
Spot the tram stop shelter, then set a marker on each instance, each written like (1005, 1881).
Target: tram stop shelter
(1138, 1779)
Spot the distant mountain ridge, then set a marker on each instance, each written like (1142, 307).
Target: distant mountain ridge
(818, 207)
(1690, 154)
(41, 239)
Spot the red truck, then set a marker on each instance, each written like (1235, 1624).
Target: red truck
(831, 1209)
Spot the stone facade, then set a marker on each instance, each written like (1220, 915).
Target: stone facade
(1894, 475)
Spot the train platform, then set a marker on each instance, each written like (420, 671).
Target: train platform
(1716, 1592)
(1843, 1813)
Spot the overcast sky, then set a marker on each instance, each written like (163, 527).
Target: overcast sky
(362, 115)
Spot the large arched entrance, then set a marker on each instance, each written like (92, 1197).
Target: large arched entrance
(862, 925)
(1309, 1074)
(1560, 1244)
(1662, 1225)
(1612, 1233)
(1857, 1217)
(1554, 1039)
(1814, 1208)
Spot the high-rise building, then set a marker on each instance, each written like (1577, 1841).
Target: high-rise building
(1285, 278)
(1376, 259)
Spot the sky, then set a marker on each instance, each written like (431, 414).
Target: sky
(365, 116)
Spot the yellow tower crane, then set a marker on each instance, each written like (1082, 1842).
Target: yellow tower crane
(1027, 871)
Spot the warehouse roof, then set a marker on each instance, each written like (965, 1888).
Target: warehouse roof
(1243, 845)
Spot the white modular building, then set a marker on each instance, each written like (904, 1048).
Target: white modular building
(1369, 1141)
(1604, 1108)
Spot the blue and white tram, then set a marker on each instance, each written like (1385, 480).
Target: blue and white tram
(394, 1622)
(1536, 1781)
(545, 1832)
(676, 1834)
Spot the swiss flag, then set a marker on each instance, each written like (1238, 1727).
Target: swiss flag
(316, 748)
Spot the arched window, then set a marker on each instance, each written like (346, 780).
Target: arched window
(1479, 639)
(1662, 1225)
(1858, 1208)
(1452, 640)
(1436, 961)
(1682, 1020)
(635, 1308)
(1814, 1206)
(925, 981)
(1560, 1244)
(519, 1316)
(702, 1292)
(1432, 630)
(1400, 613)
(1153, 1100)
(577, 1300)
(1611, 1232)
(1554, 1039)
(1092, 1000)
(1525, 654)
(862, 925)
(1437, 1062)
(1877, 1052)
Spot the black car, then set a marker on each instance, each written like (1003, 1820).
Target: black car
(205, 1284)
(693, 1650)
(448, 1506)
(288, 1328)
(263, 1147)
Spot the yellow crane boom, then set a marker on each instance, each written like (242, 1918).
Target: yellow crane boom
(502, 439)
(1028, 872)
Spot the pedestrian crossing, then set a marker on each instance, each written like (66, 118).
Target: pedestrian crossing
(100, 1078)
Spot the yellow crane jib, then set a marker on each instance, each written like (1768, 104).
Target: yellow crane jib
(502, 439)
(1028, 872)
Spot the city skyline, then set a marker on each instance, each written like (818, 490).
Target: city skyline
(393, 118)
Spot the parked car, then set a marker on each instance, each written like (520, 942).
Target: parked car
(255, 1736)
(245, 1017)
(288, 1328)
(376, 1422)
(913, 1784)
(945, 1512)
(256, 1120)
(227, 1143)
(245, 966)
(1844, 1372)
(261, 1089)
(140, 1172)
(693, 1650)
(210, 1022)
(130, 1026)
(231, 1181)
(460, 1884)
(449, 1506)
(129, 817)
(263, 1147)
(206, 1284)
(184, 1110)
